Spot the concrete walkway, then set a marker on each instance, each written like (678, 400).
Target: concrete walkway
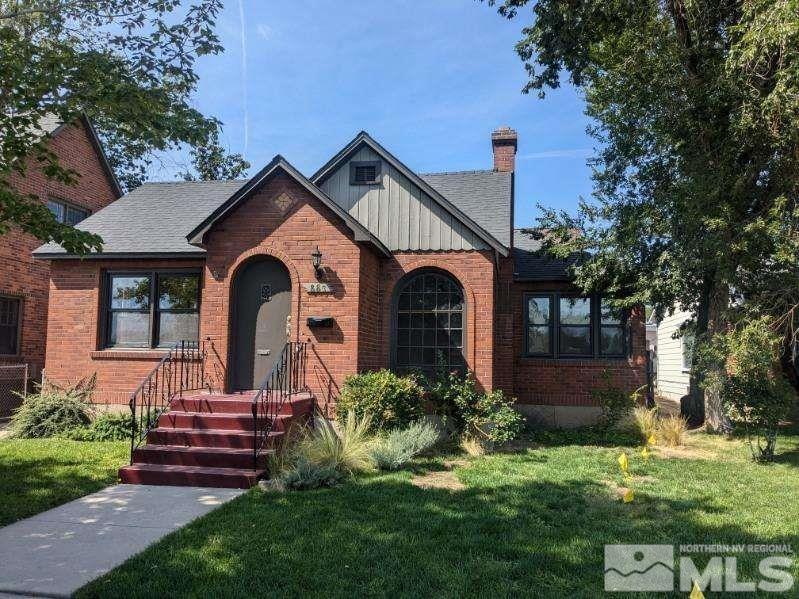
(56, 552)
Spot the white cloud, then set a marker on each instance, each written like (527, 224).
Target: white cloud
(565, 153)
(264, 31)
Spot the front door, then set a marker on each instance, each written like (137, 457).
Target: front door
(262, 303)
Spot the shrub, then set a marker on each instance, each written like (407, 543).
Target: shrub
(644, 421)
(53, 410)
(671, 430)
(613, 401)
(472, 446)
(399, 446)
(347, 450)
(489, 416)
(391, 400)
(305, 475)
(106, 427)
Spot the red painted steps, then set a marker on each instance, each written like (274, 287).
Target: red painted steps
(207, 440)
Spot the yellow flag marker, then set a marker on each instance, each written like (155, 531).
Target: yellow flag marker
(623, 463)
(645, 454)
(652, 440)
(696, 592)
(628, 496)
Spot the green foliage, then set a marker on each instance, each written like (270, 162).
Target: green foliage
(398, 447)
(305, 475)
(128, 64)
(212, 163)
(613, 401)
(694, 107)
(105, 427)
(488, 416)
(53, 410)
(392, 401)
(752, 387)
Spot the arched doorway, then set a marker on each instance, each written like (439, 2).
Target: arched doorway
(261, 306)
(428, 323)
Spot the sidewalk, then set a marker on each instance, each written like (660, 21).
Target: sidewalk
(56, 552)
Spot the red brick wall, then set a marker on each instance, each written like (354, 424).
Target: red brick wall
(565, 382)
(74, 347)
(22, 276)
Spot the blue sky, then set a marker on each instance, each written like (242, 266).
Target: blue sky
(429, 80)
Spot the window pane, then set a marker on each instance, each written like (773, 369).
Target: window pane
(129, 328)
(178, 292)
(575, 340)
(130, 292)
(75, 215)
(538, 311)
(611, 342)
(688, 341)
(575, 310)
(610, 315)
(57, 209)
(9, 325)
(177, 327)
(9, 311)
(538, 338)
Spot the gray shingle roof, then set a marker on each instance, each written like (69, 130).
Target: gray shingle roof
(531, 264)
(484, 196)
(154, 218)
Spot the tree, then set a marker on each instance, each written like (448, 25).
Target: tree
(127, 64)
(695, 105)
(211, 162)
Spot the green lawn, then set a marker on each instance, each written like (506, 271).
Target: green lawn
(531, 523)
(37, 474)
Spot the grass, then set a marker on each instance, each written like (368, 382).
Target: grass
(37, 474)
(529, 523)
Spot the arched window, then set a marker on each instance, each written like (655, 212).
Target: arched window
(428, 321)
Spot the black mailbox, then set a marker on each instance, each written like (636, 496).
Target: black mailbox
(321, 322)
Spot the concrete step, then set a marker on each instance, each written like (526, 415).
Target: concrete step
(195, 476)
(209, 457)
(192, 437)
(222, 421)
(238, 403)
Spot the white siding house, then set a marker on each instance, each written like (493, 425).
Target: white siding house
(673, 357)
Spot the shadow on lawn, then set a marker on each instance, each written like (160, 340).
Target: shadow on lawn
(383, 536)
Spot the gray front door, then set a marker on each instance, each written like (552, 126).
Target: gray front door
(262, 303)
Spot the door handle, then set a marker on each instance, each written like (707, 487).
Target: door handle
(263, 352)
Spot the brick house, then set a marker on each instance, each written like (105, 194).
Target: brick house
(24, 282)
(366, 263)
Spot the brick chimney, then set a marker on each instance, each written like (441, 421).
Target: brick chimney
(503, 142)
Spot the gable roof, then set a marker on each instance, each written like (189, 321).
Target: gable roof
(532, 264)
(363, 138)
(152, 220)
(278, 163)
(486, 196)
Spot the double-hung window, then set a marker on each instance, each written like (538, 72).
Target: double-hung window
(67, 213)
(152, 309)
(9, 325)
(562, 325)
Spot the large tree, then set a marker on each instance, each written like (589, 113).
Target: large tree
(695, 105)
(128, 64)
(212, 162)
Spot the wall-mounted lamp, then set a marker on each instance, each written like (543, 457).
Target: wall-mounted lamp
(316, 260)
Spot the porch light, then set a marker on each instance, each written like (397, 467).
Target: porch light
(316, 259)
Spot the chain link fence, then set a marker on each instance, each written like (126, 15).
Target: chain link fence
(13, 383)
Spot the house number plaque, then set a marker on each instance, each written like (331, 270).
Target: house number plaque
(317, 288)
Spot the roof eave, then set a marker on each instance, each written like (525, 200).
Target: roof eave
(118, 255)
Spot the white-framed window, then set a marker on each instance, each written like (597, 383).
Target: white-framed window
(687, 342)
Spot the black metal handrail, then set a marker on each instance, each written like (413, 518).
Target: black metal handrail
(183, 368)
(286, 378)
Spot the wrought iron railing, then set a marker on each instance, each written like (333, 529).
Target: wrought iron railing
(183, 368)
(286, 378)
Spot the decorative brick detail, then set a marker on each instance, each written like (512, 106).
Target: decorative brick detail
(20, 274)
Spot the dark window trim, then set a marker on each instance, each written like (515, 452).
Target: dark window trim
(394, 315)
(67, 204)
(153, 310)
(595, 328)
(21, 300)
(365, 163)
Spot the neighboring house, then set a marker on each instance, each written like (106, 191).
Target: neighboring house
(369, 263)
(673, 357)
(24, 282)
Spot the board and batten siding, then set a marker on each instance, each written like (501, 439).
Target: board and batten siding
(672, 378)
(398, 212)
